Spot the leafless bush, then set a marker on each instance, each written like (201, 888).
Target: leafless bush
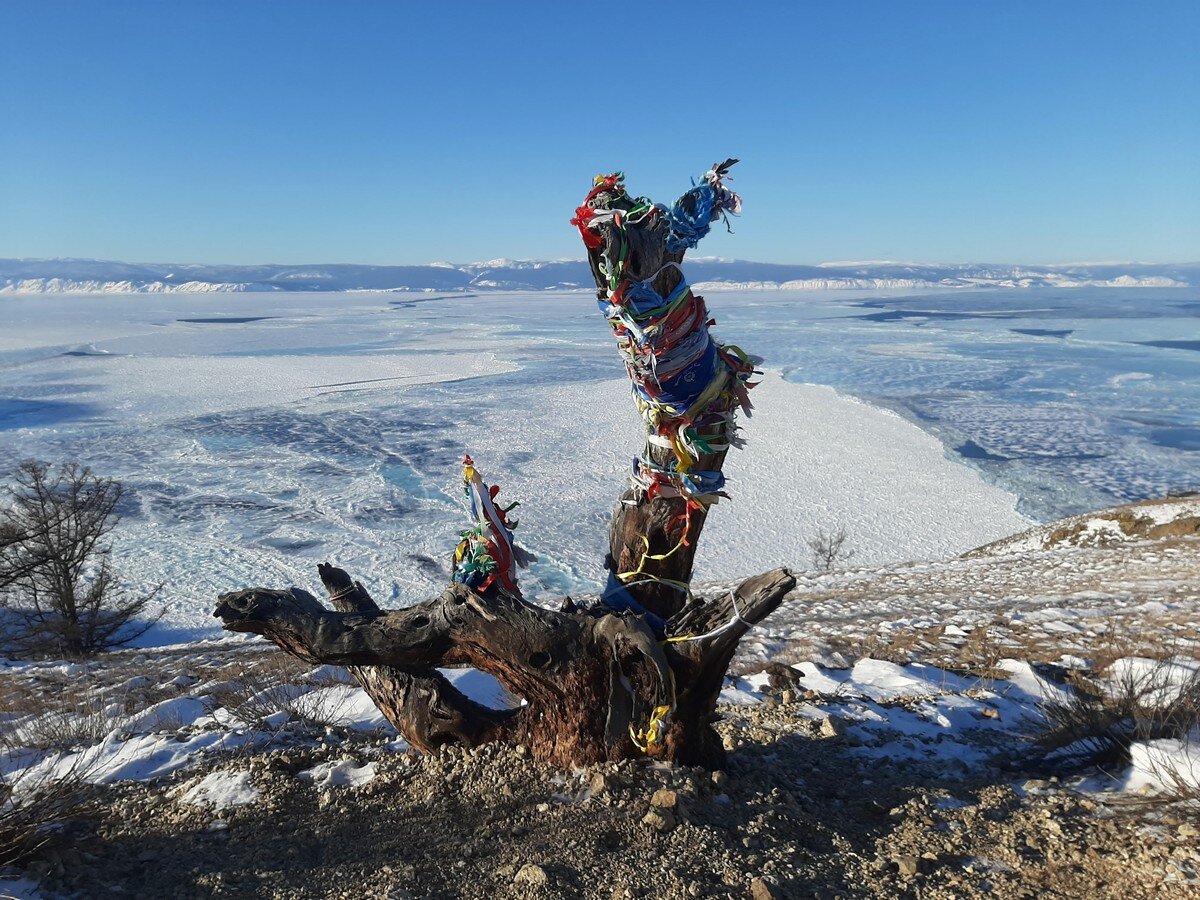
(57, 585)
(1099, 720)
(38, 799)
(79, 720)
(829, 548)
(34, 806)
(281, 684)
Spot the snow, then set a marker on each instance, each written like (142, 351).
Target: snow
(1023, 680)
(168, 715)
(915, 711)
(1158, 683)
(1100, 529)
(921, 712)
(124, 757)
(481, 687)
(1165, 765)
(744, 691)
(222, 790)
(339, 774)
(182, 732)
(342, 705)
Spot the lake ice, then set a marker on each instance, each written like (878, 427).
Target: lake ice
(259, 434)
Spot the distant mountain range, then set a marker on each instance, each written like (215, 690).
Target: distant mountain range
(102, 276)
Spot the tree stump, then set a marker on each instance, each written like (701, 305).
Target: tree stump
(639, 672)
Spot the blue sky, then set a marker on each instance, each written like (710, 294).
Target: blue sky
(405, 133)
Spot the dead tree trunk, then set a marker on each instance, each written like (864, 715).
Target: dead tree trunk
(639, 672)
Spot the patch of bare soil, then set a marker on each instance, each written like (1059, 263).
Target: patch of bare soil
(803, 811)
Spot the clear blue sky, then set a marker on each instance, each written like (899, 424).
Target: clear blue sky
(410, 132)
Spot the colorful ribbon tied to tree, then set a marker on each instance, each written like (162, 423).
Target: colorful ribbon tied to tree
(487, 557)
(686, 385)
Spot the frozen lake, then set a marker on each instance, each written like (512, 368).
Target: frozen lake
(1074, 399)
(261, 433)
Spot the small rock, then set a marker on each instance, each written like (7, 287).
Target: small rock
(719, 779)
(1187, 830)
(532, 875)
(832, 726)
(599, 784)
(660, 819)
(908, 865)
(760, 890)
(781, 677)
(664, 799)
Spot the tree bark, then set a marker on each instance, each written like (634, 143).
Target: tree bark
(612, 681)
(588, 679)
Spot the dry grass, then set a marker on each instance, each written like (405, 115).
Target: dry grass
(280, 683)
(35, 804)
(1098, 721)
(73, 719)
(34, 807)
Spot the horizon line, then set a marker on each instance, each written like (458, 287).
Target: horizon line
(496, 261)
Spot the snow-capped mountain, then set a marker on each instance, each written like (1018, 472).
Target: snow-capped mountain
(103, 276)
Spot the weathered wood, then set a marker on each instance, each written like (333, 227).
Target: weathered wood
(424, 707)
(571, 668)
(659, 521)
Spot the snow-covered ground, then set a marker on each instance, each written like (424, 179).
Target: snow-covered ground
(259, 435)
(914, 711)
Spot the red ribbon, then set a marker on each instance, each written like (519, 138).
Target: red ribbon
(584, 213)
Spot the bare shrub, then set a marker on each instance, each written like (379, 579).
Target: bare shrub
(282, 684)
(828, 549)
(57, 585)
(1099, 720)
(32, 809)
(36, 800)
(80, 720)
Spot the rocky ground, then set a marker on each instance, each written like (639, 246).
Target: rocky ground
(800, 812)
(1118, 582)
